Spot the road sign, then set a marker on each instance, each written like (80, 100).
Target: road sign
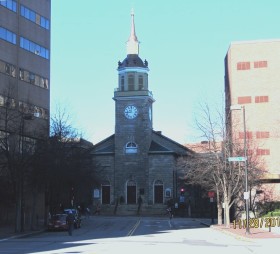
(246, 195)
(237, 159)
(211, 194)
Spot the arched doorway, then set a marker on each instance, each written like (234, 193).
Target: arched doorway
(105, 192)
(131, 192)
(158, 192)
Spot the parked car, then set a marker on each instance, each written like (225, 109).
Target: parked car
(77, 216)
(58, 222)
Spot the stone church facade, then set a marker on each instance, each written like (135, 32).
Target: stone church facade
(136, 160)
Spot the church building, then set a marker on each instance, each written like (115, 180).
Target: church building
(136, 161)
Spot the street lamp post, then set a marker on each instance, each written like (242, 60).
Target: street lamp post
(246, 196)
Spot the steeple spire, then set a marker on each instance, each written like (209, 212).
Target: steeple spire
(132, 45)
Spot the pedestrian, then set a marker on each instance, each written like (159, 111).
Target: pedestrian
(98, 209)
(70, 222)
(170, 208)
(87, 212)
(139, 204)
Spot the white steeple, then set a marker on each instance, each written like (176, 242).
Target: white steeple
(132, 45)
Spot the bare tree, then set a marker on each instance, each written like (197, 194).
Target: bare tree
(212, 170)
(16, 151)
(67, 168)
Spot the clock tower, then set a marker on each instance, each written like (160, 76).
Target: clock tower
(133, 123)
(136, 161)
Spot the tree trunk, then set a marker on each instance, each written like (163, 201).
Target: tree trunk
(18, 212)
(226, 211)
(219, 207)
(220, 213)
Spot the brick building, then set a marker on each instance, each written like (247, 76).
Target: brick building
(136, 160)
(252, 80)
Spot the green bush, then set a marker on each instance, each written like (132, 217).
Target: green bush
(274, 213)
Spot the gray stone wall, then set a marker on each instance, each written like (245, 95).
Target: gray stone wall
(104, 170)
(161, 168)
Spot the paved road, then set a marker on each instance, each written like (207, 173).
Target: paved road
(135, 235)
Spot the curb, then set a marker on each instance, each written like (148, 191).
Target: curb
(239, 237)
(236, 236)
(24, 235)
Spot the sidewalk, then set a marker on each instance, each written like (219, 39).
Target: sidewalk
(8, 232)
(255, 233)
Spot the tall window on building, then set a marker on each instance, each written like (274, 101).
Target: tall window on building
(122, 83)
(130, 82)
(140, 82)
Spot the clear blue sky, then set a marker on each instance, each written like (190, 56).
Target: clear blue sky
(184, 41)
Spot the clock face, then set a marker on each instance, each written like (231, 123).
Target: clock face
(130, 112)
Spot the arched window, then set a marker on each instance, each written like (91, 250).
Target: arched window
(131, 147)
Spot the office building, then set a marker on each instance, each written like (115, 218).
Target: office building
(24, 86)
(252, 81)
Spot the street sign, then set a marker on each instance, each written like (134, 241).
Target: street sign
(211, 194)
(246, 195)
(237, 158)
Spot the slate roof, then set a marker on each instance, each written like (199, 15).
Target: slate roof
(132, 61)
(159, 144)
(155, 147)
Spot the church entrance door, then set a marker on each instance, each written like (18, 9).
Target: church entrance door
(131, 192)
(105, 194)
(158, 192)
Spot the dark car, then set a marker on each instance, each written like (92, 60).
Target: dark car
(77, 216)
(58, 222)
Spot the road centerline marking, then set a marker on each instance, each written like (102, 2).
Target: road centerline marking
(130, 233)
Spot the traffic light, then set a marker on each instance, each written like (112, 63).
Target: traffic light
(182, 191)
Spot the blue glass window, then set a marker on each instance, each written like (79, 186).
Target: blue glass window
(34, 17)
(26, 13)
(7, 35)
(47, 24)
(2, 33)
(22, 10)
(10, 4)
(43, 22)
(34, 48)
